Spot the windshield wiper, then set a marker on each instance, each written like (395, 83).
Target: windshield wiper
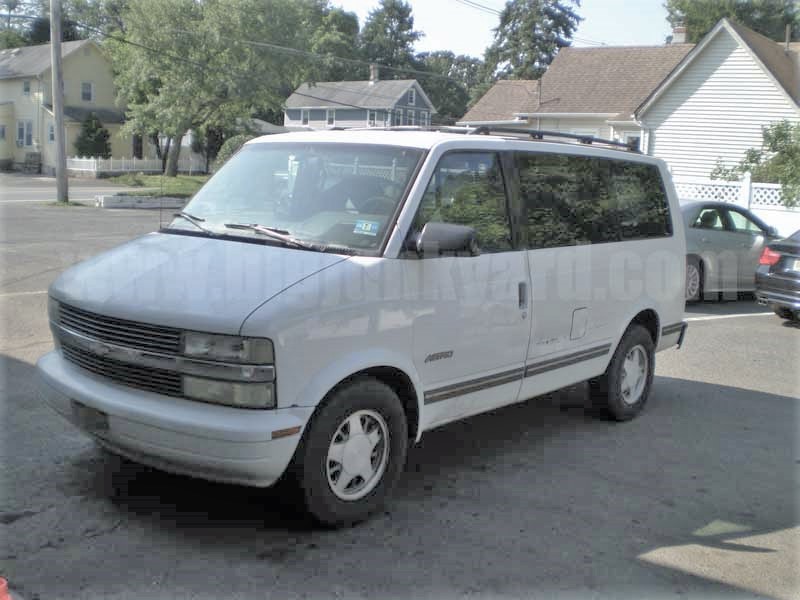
(276, 234)
(196, 221)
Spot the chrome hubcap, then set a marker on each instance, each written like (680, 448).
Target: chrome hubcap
(357, 455)
(692, 281)
(634, 375)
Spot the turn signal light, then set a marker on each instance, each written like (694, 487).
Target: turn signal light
(769, 257)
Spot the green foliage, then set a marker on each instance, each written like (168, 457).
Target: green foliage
(388, 35)
(39, 31)
(528, 37)
(93, 139)
(450, 97)
(10, 38)
(767, 17)
(230, 147)
(777, 161)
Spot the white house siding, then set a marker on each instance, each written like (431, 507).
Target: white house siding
(596, 126)
(714, 110)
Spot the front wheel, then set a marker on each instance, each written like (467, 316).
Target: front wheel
(694, 280)
(352, 453)
(624, 387)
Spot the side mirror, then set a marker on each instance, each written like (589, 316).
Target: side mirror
(772, 232)
(436, 239)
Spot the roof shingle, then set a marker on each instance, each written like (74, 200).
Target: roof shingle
(504, 99)
(350, 94)
(30, 61)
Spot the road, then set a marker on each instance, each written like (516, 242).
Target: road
(697, 498)
(15, 188)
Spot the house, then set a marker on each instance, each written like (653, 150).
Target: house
(373, 103)
(27, 124)
(691, 105)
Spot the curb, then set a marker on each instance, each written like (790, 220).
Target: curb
(124, 201)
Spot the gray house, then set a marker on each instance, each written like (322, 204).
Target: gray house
(372, 103)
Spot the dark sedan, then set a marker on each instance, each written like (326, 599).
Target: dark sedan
(778, 277)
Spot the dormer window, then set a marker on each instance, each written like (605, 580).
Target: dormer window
(26, 88)
(412, 96)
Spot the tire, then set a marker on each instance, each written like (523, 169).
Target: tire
(785, 313)
(694, 280)
(329, 451)
(608, 390)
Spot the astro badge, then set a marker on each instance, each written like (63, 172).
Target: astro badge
(367, 227)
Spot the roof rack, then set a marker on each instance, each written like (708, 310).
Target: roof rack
(539, 134)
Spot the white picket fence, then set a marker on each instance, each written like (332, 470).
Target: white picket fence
(135, 165)
(762, 199)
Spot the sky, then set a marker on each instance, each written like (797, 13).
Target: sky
(452, 25)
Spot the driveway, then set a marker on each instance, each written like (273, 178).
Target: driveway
(17, 187)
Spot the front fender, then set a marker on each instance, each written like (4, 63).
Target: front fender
(323, 381)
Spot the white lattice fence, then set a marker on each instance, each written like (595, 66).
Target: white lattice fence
(708, 190)
(135, 165)
(767, 195)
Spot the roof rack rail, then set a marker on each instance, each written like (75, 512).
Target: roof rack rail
(540, 134)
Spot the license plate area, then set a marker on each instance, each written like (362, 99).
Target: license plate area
(89, 418)
(795, 265)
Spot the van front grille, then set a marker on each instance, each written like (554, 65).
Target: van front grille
(144, 378)
(131, 334)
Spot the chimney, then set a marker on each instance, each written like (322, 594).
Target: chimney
(373, 73)
(679, 34)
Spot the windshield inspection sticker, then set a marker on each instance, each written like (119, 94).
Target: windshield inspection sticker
(367, 227)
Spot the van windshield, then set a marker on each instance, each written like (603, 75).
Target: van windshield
(318, 194)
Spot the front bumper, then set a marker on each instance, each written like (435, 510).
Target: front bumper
(218, 443)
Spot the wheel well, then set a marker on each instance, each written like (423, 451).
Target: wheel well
(402, 386)
(699, 259)
(649, 320)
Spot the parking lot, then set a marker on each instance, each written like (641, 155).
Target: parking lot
(697, 498)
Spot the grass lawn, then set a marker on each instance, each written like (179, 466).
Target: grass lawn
(182, 186)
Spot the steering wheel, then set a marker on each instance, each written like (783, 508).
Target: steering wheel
(377, 205)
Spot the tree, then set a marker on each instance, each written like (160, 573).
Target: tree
(93, 138)
(767, 17)
(388, 35)
(528, 37)
(192, 65)
(777, 161)
(336, 36)
(449, 96)
(39, 32)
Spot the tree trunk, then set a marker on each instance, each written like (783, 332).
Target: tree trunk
(173, 156)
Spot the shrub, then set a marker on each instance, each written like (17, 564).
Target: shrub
(230, 147)
(93, 139)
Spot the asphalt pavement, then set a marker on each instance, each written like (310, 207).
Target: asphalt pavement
(696, 498)
(17, 187)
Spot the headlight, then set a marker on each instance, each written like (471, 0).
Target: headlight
(228, 348)
(230, 393)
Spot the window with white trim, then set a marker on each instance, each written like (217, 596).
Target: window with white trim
(87, 91)
(25, 132)
(387, 118)
(26, 88)
(411, 117)
(398, 116)
(412, 96)
(2, 132)
(371, 118)
(330, 116)
(304, 116)
(633, 140)
(51, 133)
(423, 118)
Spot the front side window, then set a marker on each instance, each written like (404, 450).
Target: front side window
(26, 88)
(742, 224)
(467, 189)
(323, 194)
(709, 218)
(572, 200)
(25, 132)
(87, 91)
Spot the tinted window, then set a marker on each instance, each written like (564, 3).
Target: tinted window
(570, 200)
(467, 189)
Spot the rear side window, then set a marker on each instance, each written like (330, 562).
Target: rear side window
(571, 200)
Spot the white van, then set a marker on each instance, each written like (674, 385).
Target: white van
(329, 296)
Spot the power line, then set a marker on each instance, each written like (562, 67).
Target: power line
(480, 7)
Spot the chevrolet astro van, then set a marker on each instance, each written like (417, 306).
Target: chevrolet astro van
(327, 297)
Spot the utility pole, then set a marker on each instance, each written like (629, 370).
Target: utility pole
(58, 100)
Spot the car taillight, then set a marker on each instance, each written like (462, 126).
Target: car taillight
(769, 257)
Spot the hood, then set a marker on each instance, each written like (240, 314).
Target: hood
(183, 281)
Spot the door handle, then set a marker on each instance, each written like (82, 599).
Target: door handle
(523, 294)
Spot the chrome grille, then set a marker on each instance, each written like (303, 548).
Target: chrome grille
(132, 334)
(143, 378)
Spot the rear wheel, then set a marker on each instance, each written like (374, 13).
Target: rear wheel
(784, 313)
(694, 279)
(352, 453)
(623, 389)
